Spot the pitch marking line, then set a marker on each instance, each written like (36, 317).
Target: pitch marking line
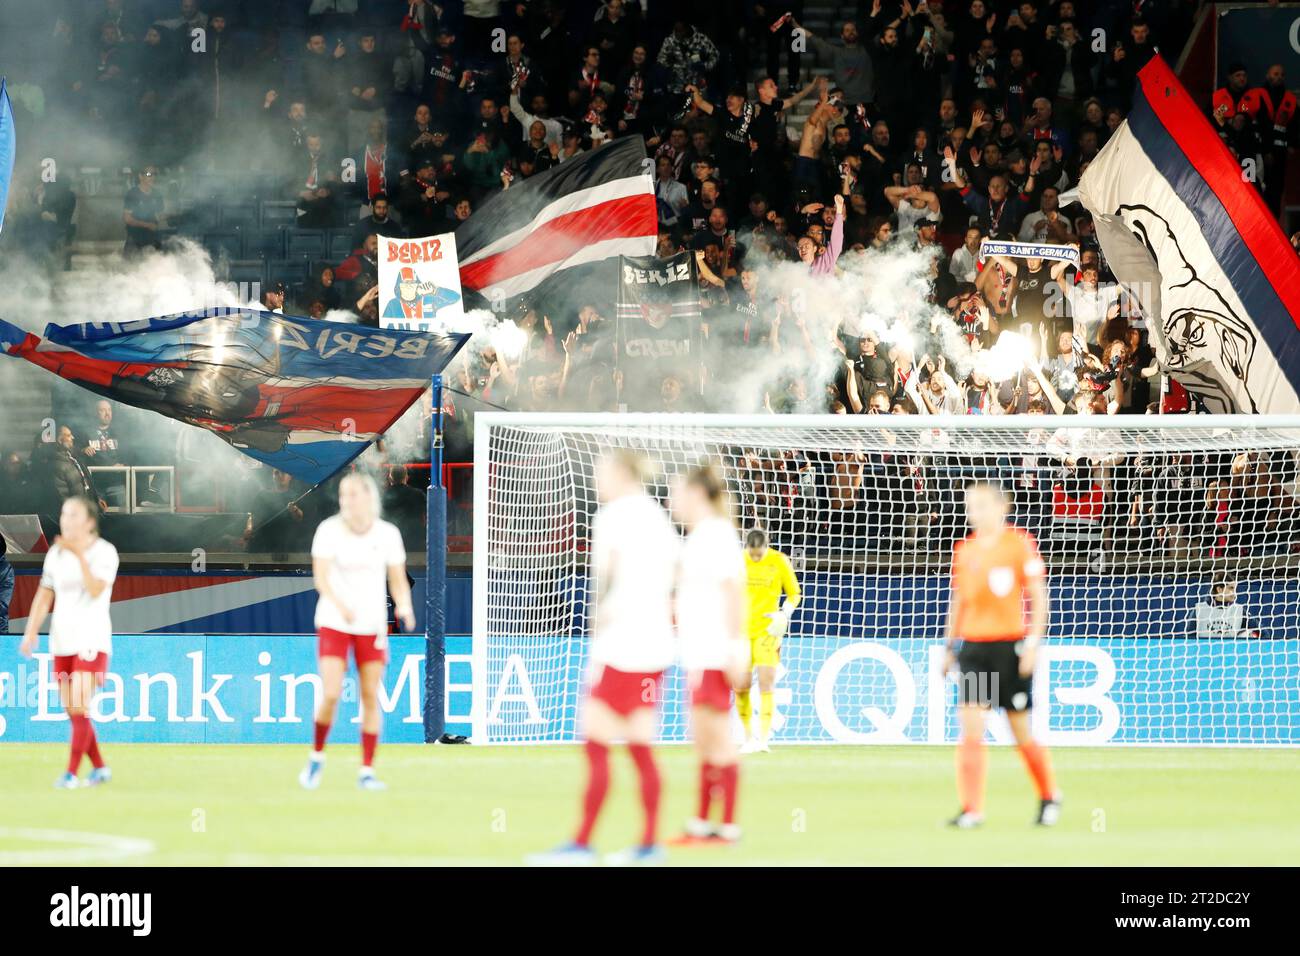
(80, 847)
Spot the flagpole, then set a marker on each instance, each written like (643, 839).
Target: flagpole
(435, 581)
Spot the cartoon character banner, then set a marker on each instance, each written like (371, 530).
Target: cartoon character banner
(1186, 232)
(419, 283)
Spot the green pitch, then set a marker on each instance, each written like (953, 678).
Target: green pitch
(215, 805)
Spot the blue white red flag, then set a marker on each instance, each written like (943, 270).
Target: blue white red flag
(592, 207)
(301, 395)
(1187, 233)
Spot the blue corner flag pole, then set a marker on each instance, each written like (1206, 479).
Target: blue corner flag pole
(435, 582)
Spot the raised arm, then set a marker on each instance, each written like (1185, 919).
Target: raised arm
(699, 101)
(794, 98)
(837, 230)
(950, 160)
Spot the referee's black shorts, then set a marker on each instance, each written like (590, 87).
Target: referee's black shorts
(990, 675)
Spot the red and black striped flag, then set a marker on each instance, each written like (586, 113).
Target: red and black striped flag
(589, 208)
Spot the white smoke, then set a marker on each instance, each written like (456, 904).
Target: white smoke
(884, 292)
(116, 289)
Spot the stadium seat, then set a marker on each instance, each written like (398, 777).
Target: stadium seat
(264, 244)
(212, 186)
(305, 244)
(340, 245)
(264, 186)
(279, 213)
(288, 271)
(226, 244)
(238, 215)
(196, 219)
(246, 271)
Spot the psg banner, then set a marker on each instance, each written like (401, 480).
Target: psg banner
(1028, 250)
(419, 283)
(658, 311)
(1193, 241)
(598, 205)
(301, 395)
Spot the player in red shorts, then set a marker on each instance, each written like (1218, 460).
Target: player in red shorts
(711, 627)
(79, 570)
(356, 558)
(634, 557)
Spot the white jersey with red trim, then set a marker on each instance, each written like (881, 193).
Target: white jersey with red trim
(80, 623)
(634, 551)
(712, 560)
(358, 573)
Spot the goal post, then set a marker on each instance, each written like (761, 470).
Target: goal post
(1172, 542)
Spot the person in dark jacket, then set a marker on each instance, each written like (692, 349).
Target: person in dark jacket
(67, 474)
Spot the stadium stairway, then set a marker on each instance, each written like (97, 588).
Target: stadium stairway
(822, 19)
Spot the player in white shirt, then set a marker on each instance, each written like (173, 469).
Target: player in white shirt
(79, 570)
(356, 559)
(634, 560)
(712, 630)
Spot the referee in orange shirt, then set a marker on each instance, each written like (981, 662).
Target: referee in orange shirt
(996, 622)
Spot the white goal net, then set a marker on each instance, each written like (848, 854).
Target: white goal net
(1172, 543)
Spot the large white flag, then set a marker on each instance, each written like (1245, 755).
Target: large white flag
(1185, 233)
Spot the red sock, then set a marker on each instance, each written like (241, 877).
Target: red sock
(650, 789)
(597, 787)
(368, 744)
(730, 790)
(972, 767)
(322, 732)
(1039, 764)
(92, 748)
(80, 728)
(707, 781)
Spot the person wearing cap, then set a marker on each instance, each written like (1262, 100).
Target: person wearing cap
(927, 238)
(273, 298)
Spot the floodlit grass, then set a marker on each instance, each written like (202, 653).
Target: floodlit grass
(220, 805)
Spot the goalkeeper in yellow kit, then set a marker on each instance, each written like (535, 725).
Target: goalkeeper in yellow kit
(769, 575)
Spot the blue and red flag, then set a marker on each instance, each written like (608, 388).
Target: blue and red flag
(1185, 230)
(301, 395)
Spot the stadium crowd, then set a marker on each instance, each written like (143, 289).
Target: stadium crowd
(314, 126)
